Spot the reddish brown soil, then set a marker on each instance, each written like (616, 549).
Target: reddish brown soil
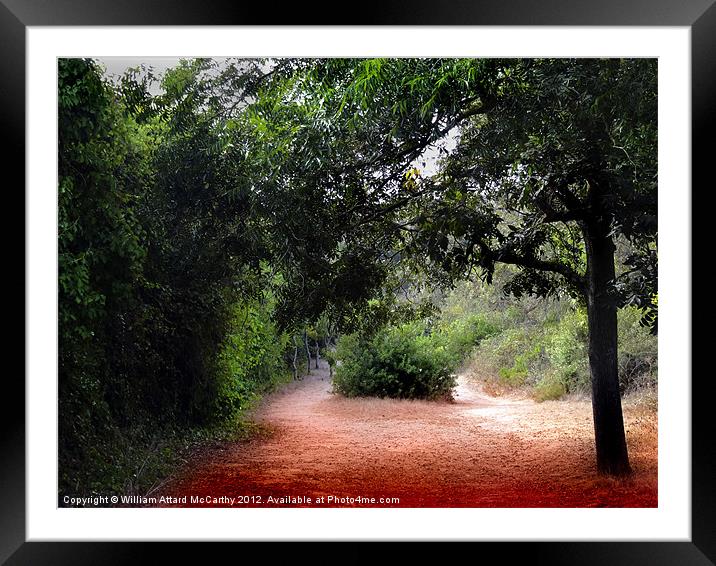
(478, 451)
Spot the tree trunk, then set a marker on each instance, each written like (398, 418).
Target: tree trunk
(308, 351)
(612, 457)
(295, 357)
(317, 353)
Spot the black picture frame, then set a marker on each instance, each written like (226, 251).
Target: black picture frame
(698, 15)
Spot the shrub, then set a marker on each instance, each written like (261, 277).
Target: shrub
(401, 362)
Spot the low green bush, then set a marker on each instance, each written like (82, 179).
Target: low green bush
(512, 357)
(401, 362)
(519, 373)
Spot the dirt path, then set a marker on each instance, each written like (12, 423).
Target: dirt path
(478, 451)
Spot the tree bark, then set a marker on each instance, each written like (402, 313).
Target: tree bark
(612, 457)
(317, 353)
(308, 351)
(295, 357)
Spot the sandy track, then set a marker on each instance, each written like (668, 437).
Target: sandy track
(477, 451)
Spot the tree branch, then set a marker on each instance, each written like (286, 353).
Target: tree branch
(510, 257)
(563, 216)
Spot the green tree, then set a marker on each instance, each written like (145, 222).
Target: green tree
(158, 242)
(105, 330)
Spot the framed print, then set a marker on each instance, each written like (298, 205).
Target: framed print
(189, 245)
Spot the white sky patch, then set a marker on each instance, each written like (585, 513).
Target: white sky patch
(115, 67)
(428, 162)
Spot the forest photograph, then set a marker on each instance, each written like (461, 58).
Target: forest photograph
(364, 282)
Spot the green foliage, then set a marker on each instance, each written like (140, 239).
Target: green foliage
(537, 345)
(413, 359)
(103, 169)
(539, 357)
(251, 361)
(537, 140)
(401, 362)
(511, 354)
(567, 351)
(330, 357)
(459, 336)
(518, 372)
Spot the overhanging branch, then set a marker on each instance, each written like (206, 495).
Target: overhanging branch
(513, 258)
